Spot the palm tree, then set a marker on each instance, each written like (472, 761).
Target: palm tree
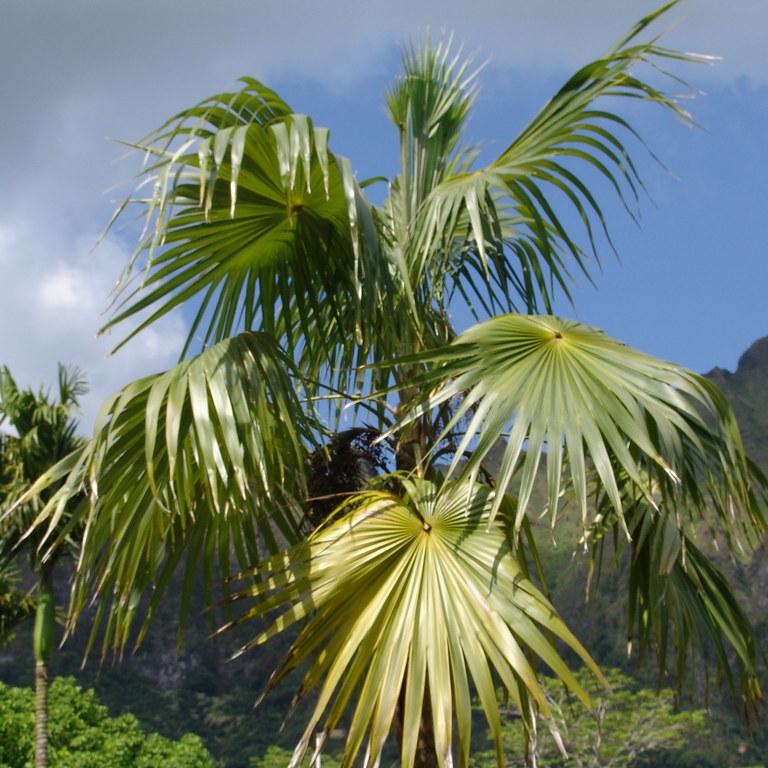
(320, 319)
(44, 434)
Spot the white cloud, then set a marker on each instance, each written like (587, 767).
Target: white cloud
(60, 291)
(52, 299)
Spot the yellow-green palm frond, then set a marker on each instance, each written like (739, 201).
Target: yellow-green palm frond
(567, 396)
(412, 601)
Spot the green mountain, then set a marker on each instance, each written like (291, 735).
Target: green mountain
(747, 391)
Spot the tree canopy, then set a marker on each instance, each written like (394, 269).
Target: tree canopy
(83, 735)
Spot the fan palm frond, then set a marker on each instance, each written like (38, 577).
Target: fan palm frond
(571, 395)
(204, 460)
(412, 601)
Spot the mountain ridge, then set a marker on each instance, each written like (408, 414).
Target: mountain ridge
(747, 391)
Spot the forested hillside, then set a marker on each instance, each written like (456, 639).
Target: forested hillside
(200, 691)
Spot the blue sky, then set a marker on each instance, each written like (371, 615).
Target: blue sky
(692, 279)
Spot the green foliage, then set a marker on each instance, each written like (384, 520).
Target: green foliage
(16, 605)
(82, 735)
(624, 724)
(44, 427)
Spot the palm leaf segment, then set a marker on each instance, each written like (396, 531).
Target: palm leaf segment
(202, 461)
(492, 233)
(679, 602)
(568, 392)
(413, 599)
(252, 217)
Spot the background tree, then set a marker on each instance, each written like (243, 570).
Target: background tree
(626, 723)
(16, 604)
(44, 434)
(84, 736)
(316, 311)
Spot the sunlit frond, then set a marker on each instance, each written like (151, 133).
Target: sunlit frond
(576, 397)
(412, 602)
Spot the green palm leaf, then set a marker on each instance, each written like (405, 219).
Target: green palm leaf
(416, 599)
(204, 461)
(429, 105)
(497, 226)
(573, 395)
(679, 602)
(255, 222)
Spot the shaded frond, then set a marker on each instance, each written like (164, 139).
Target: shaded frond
(204, 461)
(680, 603)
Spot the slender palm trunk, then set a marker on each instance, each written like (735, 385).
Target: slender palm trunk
(41, 714)
(426, 754)
(43, 647)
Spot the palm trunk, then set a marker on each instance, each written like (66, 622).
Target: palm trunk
(426, 754)
(41, 714)
(43, 647)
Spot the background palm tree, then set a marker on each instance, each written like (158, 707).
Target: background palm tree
(318, 314)
(44, 434)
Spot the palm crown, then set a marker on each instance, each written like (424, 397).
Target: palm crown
(310, 303)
